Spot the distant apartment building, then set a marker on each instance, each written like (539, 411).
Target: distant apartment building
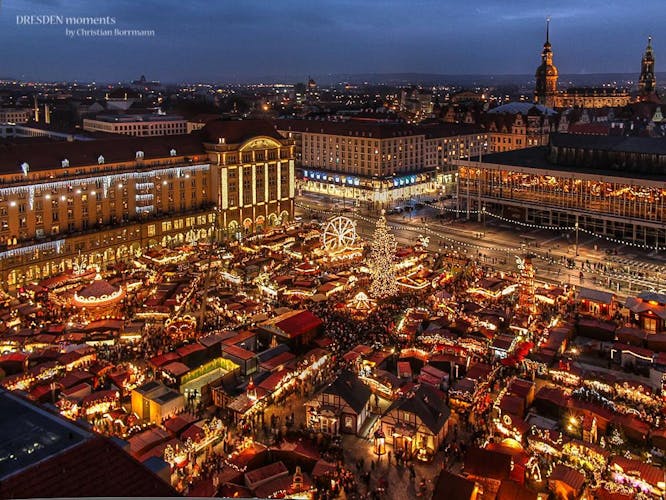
(416, 102)
(11, 130)
(107, 200)
(146, 125)
(15, 115)
(378, 163)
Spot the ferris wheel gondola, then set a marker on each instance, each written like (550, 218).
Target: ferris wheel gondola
(339, 233)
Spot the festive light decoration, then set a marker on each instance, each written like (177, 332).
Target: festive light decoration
(616, 438)
(526, 299)
(339, 234)
(382, 267)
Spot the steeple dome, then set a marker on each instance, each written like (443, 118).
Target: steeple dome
(647, 82)
(546, 74)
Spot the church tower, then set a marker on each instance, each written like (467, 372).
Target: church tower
(647, 82)
(546, 75)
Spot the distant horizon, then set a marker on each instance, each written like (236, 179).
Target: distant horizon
(293, 79)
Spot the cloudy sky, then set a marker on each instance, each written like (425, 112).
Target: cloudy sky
(218, 40)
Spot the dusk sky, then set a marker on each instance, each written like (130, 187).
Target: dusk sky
(218, 40)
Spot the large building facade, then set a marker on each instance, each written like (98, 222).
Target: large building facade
(611, 186)
(108, 200)
(378, 163)
(137, 125)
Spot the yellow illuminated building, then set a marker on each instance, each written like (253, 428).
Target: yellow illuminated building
(107, 200)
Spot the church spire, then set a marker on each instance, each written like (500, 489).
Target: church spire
(647, 82)
(546, 74)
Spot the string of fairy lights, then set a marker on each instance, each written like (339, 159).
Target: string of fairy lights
(550, 227)
(605, 274)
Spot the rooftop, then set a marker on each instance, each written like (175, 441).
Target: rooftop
(378, 130)
(513, 108)
(49, 156)
(537, 158)
(29, 434)
(238, 131)
(130, 118)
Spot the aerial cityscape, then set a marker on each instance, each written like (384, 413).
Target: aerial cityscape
(337, 250)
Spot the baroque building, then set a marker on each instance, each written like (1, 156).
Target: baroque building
(546, 75)
(546, 92)
(647, 82)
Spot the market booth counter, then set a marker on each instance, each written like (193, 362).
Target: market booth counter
(566, 482)
(639, 475)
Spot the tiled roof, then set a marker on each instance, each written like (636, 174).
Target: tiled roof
(299, 324)
(77, 472)
(428, 404)
(486, 463)
(649, 473)
(238, 131)
(354, 392)
(375, 130)
(453, 487)
(568, 476)
(86, 153)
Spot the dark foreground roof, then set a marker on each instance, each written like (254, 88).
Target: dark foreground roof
(43, 455)
(95, 468)
(629, 144)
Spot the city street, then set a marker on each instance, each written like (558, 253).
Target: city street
(496, 243)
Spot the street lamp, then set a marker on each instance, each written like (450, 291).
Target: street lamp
(576, 226)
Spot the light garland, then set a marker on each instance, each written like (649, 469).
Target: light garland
(508, 250)
(56, 245)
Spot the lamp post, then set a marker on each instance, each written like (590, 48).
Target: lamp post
(576, 226)
(380, 444)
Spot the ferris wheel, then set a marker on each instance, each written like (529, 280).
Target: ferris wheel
(339, 233)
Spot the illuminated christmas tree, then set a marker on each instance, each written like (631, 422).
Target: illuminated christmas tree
(382, 267)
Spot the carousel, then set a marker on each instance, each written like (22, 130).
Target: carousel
(99, 299)
(182, 327)
(361, 305)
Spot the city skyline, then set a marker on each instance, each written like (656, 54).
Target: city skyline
(200, 42)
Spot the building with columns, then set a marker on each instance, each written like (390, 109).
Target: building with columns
(256, 174)
(109, 199)
(610, 186)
